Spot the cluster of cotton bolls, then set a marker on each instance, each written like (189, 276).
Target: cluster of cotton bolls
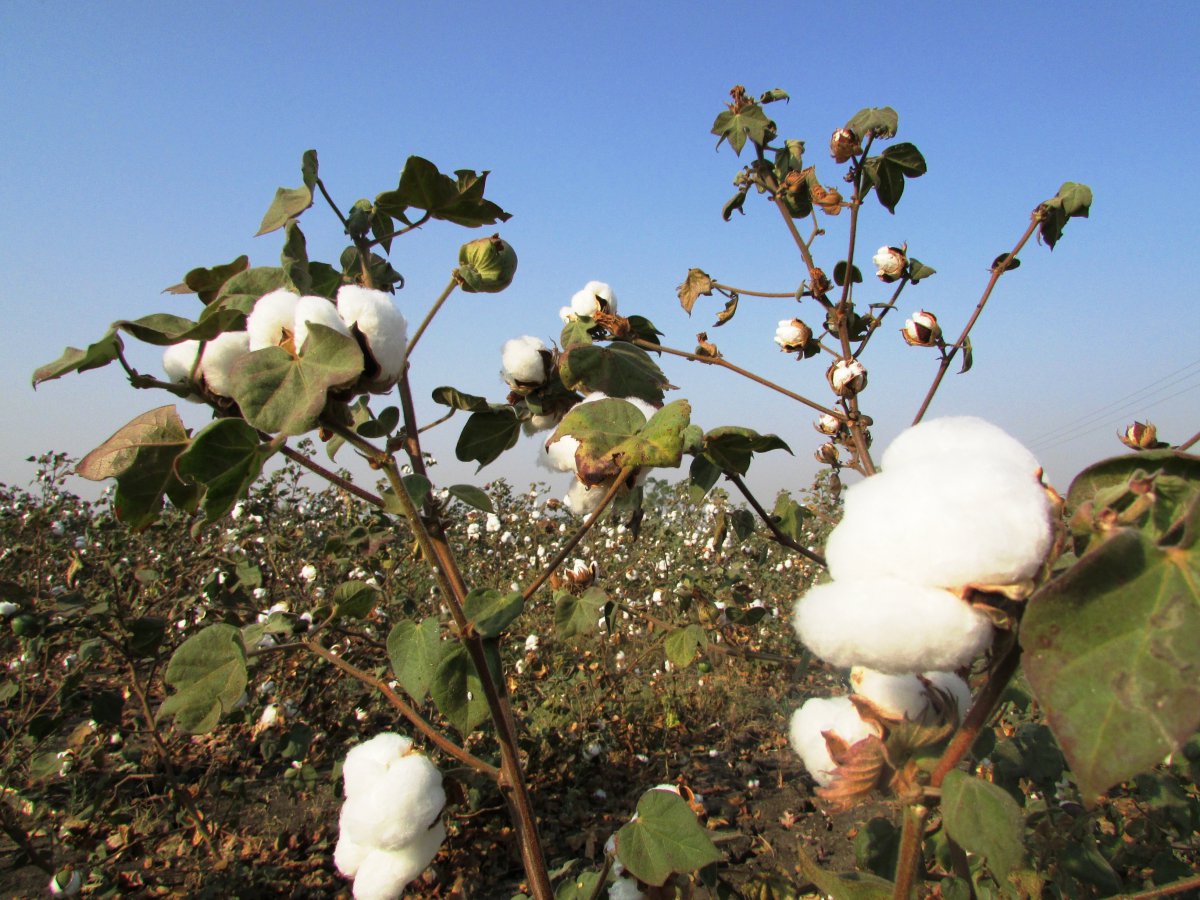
(391, 825)
(959, 505)
(283, 318)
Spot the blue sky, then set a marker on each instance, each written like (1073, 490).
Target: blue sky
(143, 139)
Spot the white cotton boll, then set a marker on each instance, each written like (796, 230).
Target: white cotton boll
(221, 354)
(559, 455)
(367, 762)
(905, 696)
(178, 360)
(625, 889)
(317, 311)
(273, 319)
(348, 856)
(890, 625)
(382, 874)
(818, 715)
(594, 297)
(381, 324)
(523, 362)
(535, 424)
(956, 438)
(583, 500)
(944, 527)
(399, 805)
(953, 685)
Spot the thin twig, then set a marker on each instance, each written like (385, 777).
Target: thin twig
(1189, 442)
(741, 292)
(779, 536)
(332, 477)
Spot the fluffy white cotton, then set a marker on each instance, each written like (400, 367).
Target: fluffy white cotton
(522, 361)
(954, 440)
(367, 762)
(987, 523)
(818, 715)
(382, 874)
(178, 360)
(319, 311)
(401, 803)
(623, 888)
(221, 354)
(559, 455)
(348, 856)
(596, 296)
(535, 424)
(273, 319)
(583, 500)
(381, 324)
(904, 696)
(890, 625)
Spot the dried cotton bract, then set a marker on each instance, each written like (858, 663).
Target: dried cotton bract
(818, 715)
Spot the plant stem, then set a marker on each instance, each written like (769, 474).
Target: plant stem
(997, 270)
(757, 379)
(1166, 890)
(779, 536)
(908, 858)
(403, 231)
(332, 477)
(437, 304)
(337, 212)
(1189, 442)
(791, 295)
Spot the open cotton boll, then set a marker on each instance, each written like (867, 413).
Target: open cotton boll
(559, 455)
(221, 354)
(348, 856)
(583, 500)
(955, 687)
(890, 625)
(944, 527)
(953, 440)
(382, 874)
(398, 806)
(178, 360)
(385, 330)
(273, 319)
(904, 696)
(522, 361)
(535, 424)
(596, 296)
(818, 715)
(368, 762)
(319, 311)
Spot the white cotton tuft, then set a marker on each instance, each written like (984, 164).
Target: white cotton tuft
(399, 805)
(318, 311)
(987, 523)
(522, 361)
(890, 625)
(623, 888)
(904, 696)
(583, 500)
(596, 296)
(953, 440)
(535, 424)
(818, 715)
(367, 762)
(955, 686)
(559, 455)
(178, 360)
(221, 354)
(382, 874)
(381, 324)
(273, 319)
(348, 856)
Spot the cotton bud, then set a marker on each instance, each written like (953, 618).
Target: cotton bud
(821, 716)
(316, 311)
(922, 330)
(486, 265)
(1141, 436)
(272, 322)
(829, 425)
(381, 327)
(847, 377)
(526, 363)
(596, 296)
(792, 336)
(827, 454)
(890, 263)
(843, 145)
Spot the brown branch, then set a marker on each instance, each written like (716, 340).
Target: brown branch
(332, 477)
(779, 536)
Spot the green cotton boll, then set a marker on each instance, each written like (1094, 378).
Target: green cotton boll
(486, 266)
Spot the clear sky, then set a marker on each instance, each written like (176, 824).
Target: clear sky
(143, 139)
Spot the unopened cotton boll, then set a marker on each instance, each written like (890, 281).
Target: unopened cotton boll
(987, 523)
(905, 696)
(890, 625)
(523, 362)
(221, 354)
(596, 296)
(316, 311)
(402, 802)
(273, 319)
(385, 330)
(382, 874)
(954, 440)
(816, 716)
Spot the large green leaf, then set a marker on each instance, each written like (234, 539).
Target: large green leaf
(141, 457)
(161, 329)
(226, 457)
(983, 819)
(600, 427)
(664, 839)
(355, 599)
(1108, 648)
(748, 122)
(415, 652)
(456, 399)
(294, 258)
(574, 616)
(490, 611)
(845, 886)
(1072, 200)
(242, 290)
(487, 434)
(880, 121)
(472, 496)
(618, 370)
(99, 354)
(730, 448)
(459, 200)
(208, 674)
(683, 644)
(206, 283)
(457, 689)
(281, 393)
(291, 202)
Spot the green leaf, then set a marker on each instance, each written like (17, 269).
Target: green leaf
(876, 846)
(702, 474)
(906, 158)
(734, 204)
(1072, 200)
(355, 599)
(457, 689)
(839, 274)
(226, 457)
(773, 95)
(664, 839)
(487, 434)
(294, 257)
(206, 283)
(731, 448)
(162, 329)
(576, 333)
(918, 271)
(789, 517)
(415, 652)
(968, 356)
(456, 399)
(459, 200)
(882, 122)
(490, 611)
(288, 203)
(472, 496)
(619, 370)
(208, 675)
(983, 819)
(579, 887)
(601, 427)
(242, 290)
(574, 616)
(1105, 644)
(141, 457)
(750, 121)
(99, 354)
(281, 393)
(146, 636)
(682, 645)
(382, 425)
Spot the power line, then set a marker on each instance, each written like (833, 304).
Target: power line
(1107, 423)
